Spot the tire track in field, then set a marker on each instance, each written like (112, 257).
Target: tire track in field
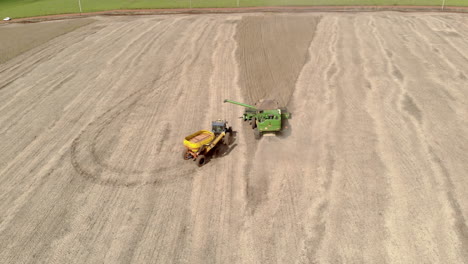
(80, 152)
(391, 103)
(444, 47)
(84, 150)
(357, 194)
(406, 136)
(35, 160)
(107, 209)
(21, 105)
(441, 174)
(318, 88)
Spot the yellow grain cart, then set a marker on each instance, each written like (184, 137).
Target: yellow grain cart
(199, 144)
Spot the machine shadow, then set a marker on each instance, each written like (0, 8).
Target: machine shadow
(223, 150)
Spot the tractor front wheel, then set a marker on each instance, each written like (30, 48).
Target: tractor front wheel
(226, 139)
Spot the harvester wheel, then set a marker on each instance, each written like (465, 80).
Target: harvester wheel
(257, 134)
(201, 160)
(254, 123)
(186, 155)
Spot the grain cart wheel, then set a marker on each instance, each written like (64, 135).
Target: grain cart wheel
(254, 123)
(201, 160)
(186, 154)
(257, 134)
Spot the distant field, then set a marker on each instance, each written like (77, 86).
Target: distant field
(27, 8)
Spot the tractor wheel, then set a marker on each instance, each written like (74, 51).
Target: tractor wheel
(257, 134)
(201, 160)
(186, 155)
(226, 139)
(254, 123)
(217, 153)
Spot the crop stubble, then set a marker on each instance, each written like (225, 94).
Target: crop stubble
(371, 169)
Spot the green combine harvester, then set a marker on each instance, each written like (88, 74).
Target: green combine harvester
(266, 117)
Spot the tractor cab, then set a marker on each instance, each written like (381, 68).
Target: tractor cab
(218, 126)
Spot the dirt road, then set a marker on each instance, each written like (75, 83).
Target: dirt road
(372, 169)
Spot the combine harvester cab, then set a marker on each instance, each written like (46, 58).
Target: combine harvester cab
(199, 144)
(265, 119)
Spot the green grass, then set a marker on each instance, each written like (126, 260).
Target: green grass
(28, 8)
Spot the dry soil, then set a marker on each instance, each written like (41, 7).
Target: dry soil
(372, 168)
(19, 38)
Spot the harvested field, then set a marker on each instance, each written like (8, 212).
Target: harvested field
(371, 170)
(17, 38)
